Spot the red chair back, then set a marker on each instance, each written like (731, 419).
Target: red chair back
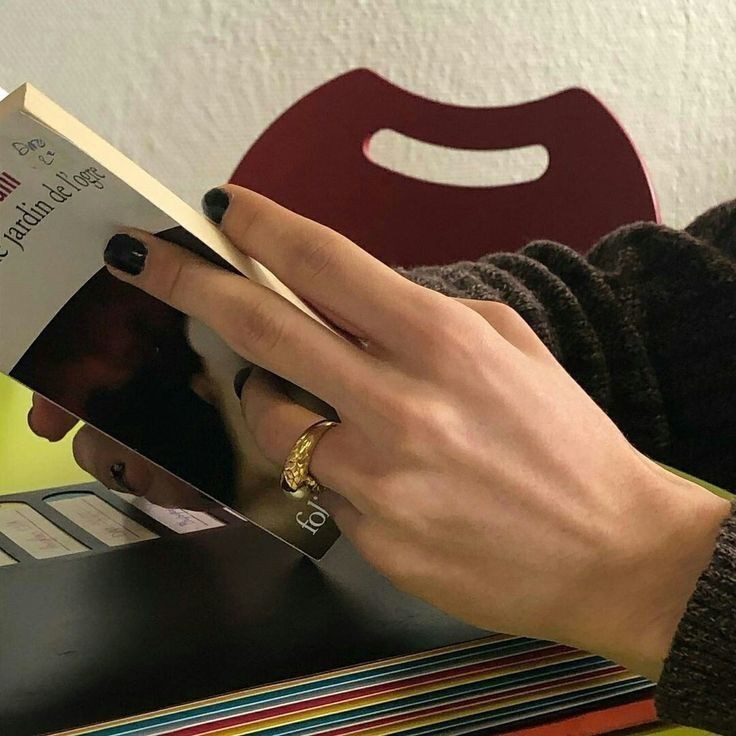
(313, 160)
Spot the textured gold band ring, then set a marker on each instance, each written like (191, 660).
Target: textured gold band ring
(296, 480)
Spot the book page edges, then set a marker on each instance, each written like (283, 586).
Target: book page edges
(33, 102)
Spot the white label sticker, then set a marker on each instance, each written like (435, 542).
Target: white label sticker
(180, 521)
(35, 533)
(6, 559)
(99, 519)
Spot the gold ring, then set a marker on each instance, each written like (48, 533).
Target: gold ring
(296, 480)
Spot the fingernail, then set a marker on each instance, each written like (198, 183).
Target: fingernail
(214, 204)
(126, 254)
(240, 378)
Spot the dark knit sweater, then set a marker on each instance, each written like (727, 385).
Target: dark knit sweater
(646, 324)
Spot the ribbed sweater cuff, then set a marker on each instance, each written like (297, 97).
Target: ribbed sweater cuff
(698, 678)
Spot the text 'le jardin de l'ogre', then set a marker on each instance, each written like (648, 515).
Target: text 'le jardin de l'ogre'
(30, 216)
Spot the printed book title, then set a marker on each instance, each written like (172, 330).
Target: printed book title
(28, 214)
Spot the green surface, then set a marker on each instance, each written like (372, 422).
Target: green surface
(28, 462)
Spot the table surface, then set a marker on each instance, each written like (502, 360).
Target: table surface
(30, 463)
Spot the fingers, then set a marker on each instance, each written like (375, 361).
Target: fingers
(276, 423)
(118, 467)
(49, 420)
(510, 325)
(256, 322)
(329, 271)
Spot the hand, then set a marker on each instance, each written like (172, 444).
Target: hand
(468, 467)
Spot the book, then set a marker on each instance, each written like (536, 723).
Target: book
(120, 617)
(64, 192)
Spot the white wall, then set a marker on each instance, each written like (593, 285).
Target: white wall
(184, 86)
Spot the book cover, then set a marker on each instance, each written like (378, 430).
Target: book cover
(113, 356)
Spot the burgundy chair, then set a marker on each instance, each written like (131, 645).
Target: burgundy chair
(313, 160)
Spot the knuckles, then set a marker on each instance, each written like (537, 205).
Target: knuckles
(447, 332)
(504, 318)
(170, 280)
(252, 328)
(316, 254)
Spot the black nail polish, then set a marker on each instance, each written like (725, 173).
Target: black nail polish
(214, 204)
(126, 254)
(240, 378)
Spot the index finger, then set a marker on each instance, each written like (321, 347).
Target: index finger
(357, 291)
(256, 322)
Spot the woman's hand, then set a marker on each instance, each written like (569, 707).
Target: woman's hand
(469, 467)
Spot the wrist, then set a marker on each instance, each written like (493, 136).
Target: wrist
(657, 569)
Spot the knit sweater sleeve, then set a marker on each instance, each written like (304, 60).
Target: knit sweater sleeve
(698, 684)
(646, 323)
